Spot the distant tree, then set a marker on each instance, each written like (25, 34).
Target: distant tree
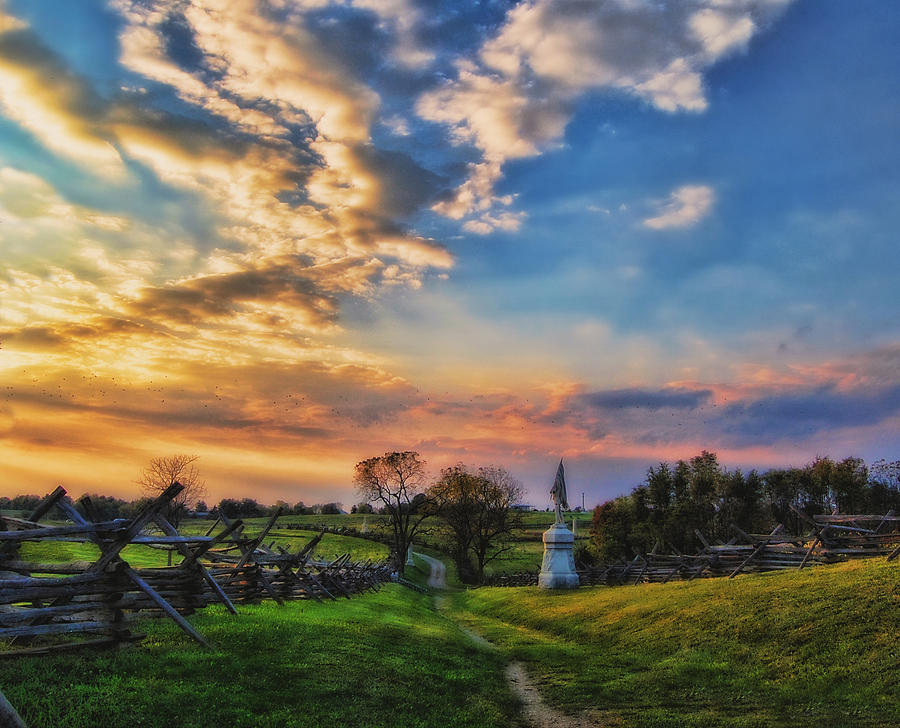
(244, 508)
(738, 502)
(396, 480)
(102, 507)
(249, 508)
(330, 509)
(477, 507)
(24, 503)
(886, 473)
(884, 486)
(613, 530)
(135, 507)
(847, 484)
(161, 472)
(273, 509)
(229, 507)
(676, 501)
(300, 509)
(201, 507)
(362, 508)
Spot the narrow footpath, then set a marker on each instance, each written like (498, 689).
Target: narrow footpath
(535, 711)
(437, 579)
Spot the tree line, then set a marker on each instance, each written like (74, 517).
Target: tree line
(701, 494)
(473, 504)
(108, 508)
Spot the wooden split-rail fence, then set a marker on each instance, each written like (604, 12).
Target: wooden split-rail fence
(831, 538)
(47, 606)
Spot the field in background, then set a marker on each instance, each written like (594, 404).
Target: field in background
(329, 548)
(291, 532)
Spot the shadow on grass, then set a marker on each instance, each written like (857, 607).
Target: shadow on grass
(383, 659)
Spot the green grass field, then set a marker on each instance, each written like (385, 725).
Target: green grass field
(789, 649)
(817, 647)
(524, 555)
(385, 659)
(330, 547)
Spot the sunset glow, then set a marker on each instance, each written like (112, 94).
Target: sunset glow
(288, 235)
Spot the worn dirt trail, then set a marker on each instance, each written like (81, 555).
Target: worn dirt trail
(437, 579)
(535, 711)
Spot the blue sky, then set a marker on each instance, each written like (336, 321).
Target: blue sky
(288, 235)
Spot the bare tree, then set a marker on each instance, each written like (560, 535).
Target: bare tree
(478, 509)
(397, 481)
(180, 468)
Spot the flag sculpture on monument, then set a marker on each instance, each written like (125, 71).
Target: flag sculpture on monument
(558, 567)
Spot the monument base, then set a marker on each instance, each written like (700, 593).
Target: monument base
(558, 567)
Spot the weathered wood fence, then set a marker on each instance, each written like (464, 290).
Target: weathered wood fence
(831, 538)
(47, 607)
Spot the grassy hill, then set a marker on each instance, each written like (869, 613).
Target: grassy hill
(817, 647)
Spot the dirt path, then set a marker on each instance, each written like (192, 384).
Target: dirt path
(536, 712)
(437, 579)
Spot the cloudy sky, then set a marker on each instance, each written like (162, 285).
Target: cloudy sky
(286, 235)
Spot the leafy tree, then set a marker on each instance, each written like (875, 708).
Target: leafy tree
(611, 526)
(24, 503)
(244, 508)
(229, 507)
(478, 509)
(848, 483)
(739, 502)
(161, 472)
(884, 486)
(249, 508)
(396, 480)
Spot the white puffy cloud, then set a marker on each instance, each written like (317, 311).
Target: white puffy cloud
(516, 100)
(686, 206)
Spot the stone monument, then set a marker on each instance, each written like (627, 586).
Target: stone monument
(558, 567)
(409, 556)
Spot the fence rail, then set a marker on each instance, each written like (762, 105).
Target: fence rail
(47, 607)
(831, 538)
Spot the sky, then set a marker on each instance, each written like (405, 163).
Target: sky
(289, 235)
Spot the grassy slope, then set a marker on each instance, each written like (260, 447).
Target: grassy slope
(795, 649)
(383, 659)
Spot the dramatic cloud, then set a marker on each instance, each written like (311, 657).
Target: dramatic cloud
(650, 399)
(516, 99)
(805, 414)
(232, 227)
(686, 206)
(38, 91)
